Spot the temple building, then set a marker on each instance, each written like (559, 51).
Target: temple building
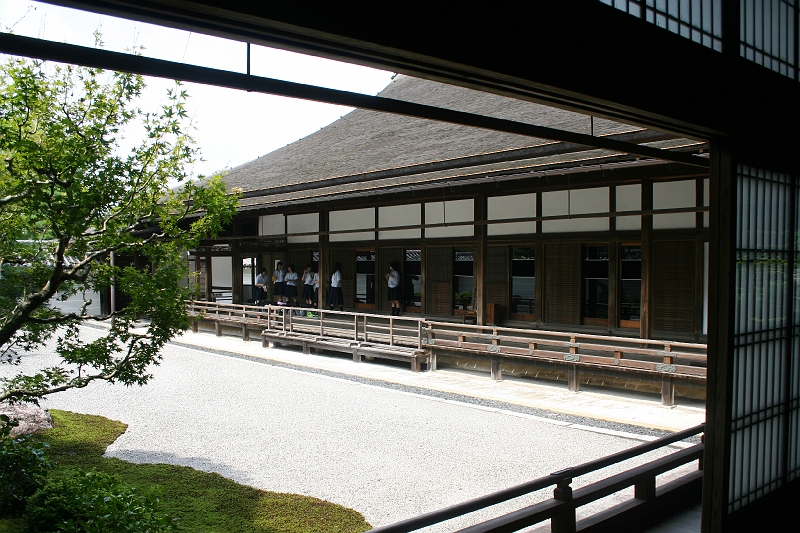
(488, 225)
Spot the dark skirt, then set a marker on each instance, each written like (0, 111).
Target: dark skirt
(258, 293)
(278, 288)
(394, 293)
(308, 292)
(336, 296)
(290, 291)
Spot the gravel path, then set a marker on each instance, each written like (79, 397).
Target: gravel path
(388, 453)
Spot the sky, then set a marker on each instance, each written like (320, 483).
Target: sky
(231, 127)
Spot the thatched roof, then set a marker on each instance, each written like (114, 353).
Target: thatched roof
(364, 142)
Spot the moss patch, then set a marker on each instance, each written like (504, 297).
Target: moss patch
(205, 502)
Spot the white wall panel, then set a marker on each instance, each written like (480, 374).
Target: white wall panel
(576, 202)
(304, 223)
(221, 271)
(391, 216)
(352, 219)
(513, 206)
(355, 236)
(400, 215)
(271, 225)
(454, 211)
(670, 195)
(575, 224)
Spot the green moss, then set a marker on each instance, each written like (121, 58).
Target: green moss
(205, 502)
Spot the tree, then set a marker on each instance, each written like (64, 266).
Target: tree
(69, 200)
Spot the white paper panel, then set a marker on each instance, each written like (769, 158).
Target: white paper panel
(302, 224)
(399, 215)
(670, 195)
(629, 223)
(271, 225)
(575, 224)
(576, 202)
(400, 234)
(514, 206)
(511, 228)
(221, 275)
(455, 211)
(629, 197)
(352, 219)
(357, 236)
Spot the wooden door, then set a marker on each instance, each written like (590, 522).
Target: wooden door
(563, 283)
(673, 290)
(439, 280)
(498, 280)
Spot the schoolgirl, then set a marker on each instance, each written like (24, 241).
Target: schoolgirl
(290, 289)
(336, 296)
(308, 285)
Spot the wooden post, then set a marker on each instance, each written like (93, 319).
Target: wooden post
(563, 521)
(479, 259)
(646, 312)
(667, 387)
(391, 331)
(573, 378)
(497, 374)
(645, 489)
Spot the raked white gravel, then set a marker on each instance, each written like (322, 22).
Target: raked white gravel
(386, 453)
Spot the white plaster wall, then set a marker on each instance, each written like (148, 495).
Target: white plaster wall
(575, 202)
(629, 198)
(455, 211)
(400, 215)
(670, 195)
(350, 219)
(513, 206)
(302, 224)
(221, 271)
(271, 225)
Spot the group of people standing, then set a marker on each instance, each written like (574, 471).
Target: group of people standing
(285, 286)
(284, 283)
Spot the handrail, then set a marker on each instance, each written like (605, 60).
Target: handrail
(544, 482)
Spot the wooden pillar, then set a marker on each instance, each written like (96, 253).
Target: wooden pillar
(722, 261)
(613, 284)
(479, 258)
(324, 259)
(539, 266)
(237, 276)
(646, 319)
(209, 280)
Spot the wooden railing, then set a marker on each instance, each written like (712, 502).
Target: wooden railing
(668, 360)
(647, 502)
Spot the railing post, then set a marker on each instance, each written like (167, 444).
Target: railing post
(667, 387)
(563, 521)
(321, 318)
(645, 489)
(355, 327)
(573, 378)
(366, 335)
(431, 349)
(391, 331)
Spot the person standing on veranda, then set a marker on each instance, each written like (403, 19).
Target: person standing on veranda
(336, 296)
(277, 280)
(260, 292)
(393, 281)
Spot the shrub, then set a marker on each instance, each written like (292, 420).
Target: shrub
(95, 502)
(23, 469)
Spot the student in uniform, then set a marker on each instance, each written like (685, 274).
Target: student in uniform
(335, 296)
(260, 291)
(393, 280)
(277, 280)
(290, 287)
(308, 286)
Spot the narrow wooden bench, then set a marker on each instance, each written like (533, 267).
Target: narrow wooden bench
(358, 349)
